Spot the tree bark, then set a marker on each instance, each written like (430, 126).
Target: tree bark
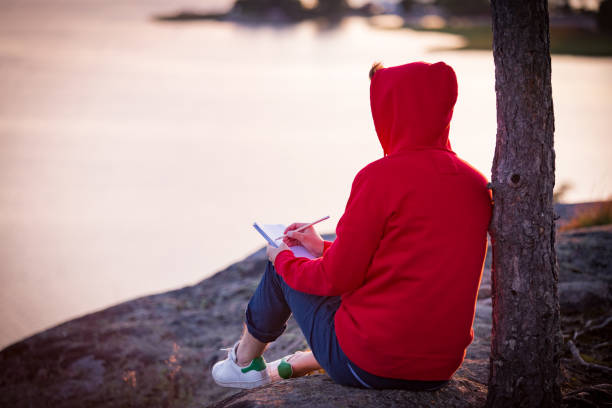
(526, 338)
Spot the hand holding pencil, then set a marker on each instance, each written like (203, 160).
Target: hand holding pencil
(304, 234)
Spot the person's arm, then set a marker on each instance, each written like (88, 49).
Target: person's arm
(345, 262)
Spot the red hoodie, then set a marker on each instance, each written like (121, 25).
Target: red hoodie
(410, 247)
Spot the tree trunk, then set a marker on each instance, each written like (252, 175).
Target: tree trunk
(332, 6)
(526, 338)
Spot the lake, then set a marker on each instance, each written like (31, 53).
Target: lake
(135, 155)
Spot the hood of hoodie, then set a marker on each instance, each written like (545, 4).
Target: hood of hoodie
(412, 106)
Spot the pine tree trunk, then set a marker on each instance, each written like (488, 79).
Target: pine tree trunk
(526, 338)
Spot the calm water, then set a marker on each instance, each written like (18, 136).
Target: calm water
(134, 155)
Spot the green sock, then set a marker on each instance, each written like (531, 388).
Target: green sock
(284, 369)
(258, 364)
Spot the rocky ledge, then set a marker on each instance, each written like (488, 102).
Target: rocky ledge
(158, 350)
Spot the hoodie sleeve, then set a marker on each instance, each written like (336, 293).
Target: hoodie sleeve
(344, 264)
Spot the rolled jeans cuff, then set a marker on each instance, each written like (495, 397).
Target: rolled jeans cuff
(262, 336)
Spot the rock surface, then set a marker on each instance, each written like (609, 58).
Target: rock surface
(319, 391)
(157, 351)
(585, 277)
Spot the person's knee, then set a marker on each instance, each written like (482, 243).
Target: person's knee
(270, 270)
(275, 279)
(270, 273)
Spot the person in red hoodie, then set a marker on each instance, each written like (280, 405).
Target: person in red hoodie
(390, 303)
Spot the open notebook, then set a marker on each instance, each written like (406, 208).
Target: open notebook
(272, 231)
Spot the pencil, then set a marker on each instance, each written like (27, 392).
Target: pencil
(303, 227)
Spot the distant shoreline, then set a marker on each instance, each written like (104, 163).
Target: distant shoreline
(566, 211)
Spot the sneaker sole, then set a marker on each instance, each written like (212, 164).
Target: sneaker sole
(244, 385)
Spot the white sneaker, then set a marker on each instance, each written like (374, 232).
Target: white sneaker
(227, 373)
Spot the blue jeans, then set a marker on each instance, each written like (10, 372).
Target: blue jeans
(266, 319)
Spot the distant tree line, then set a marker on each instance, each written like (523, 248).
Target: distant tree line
(483, 7)
(457, 7)
(291, 8)
(604, 15)
(295, 8)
